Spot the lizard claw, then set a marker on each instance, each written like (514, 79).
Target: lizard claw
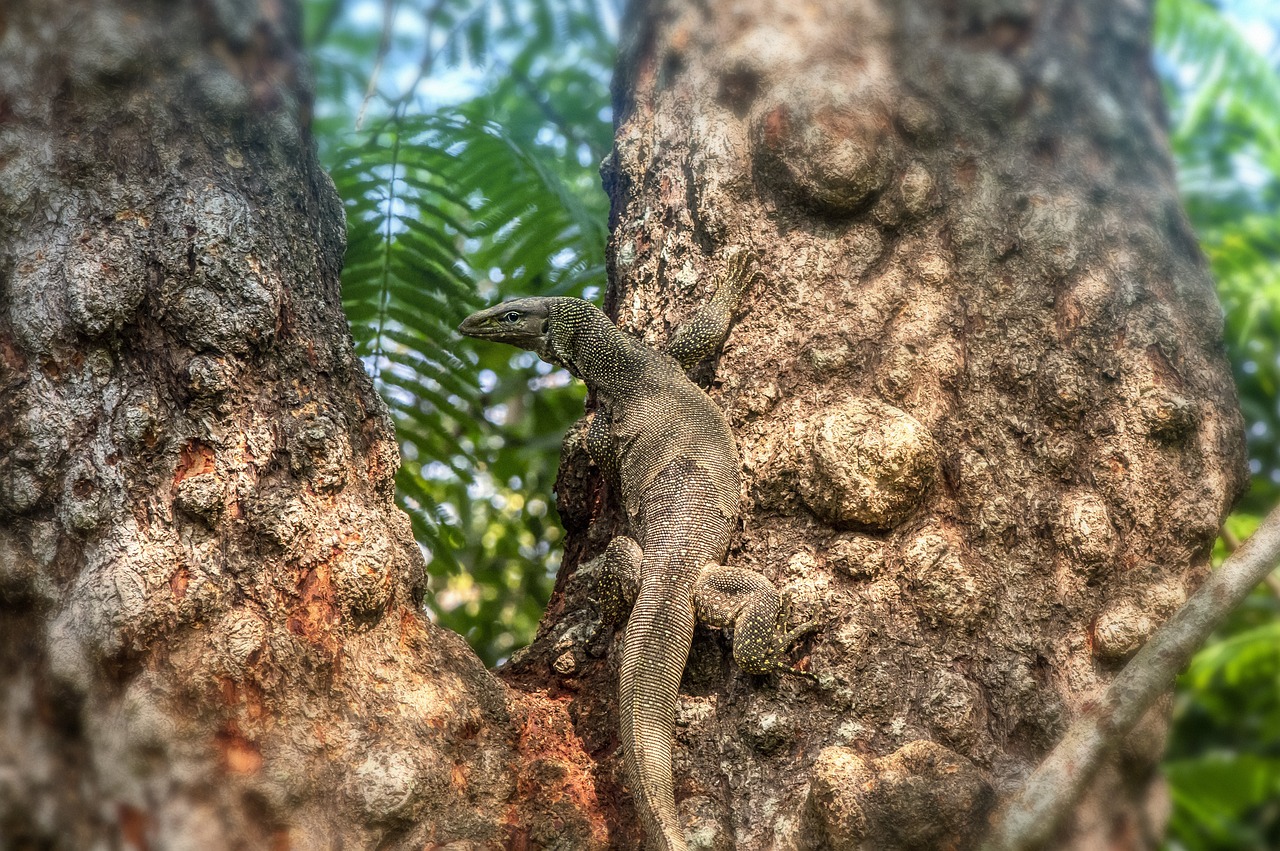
(738, 269)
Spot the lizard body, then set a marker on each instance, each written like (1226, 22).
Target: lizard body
(671, 451)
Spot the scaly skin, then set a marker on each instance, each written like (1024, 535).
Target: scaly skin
(670, 450)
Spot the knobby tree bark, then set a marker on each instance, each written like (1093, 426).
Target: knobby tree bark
(211, 634)
(987, 429)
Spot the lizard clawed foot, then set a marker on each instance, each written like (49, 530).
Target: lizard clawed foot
(775, 661)
(785, 643)
(739, 270)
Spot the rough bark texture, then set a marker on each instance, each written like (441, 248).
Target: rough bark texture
(209, 633)
(987, 426)
(987, 429)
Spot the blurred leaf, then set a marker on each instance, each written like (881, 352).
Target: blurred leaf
(1224, 104)
(1218, 798)
(451, 205)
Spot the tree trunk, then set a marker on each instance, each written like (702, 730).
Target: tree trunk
(988, 430)
(210, 634)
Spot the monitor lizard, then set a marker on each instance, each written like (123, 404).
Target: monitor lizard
(672, 454)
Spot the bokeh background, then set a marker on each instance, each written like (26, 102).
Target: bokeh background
(465, 138)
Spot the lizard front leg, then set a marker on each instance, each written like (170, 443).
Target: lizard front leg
(599, 444)
(704, 333)
(746, 601)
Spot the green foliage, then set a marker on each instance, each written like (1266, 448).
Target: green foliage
(1224, 103)
(1224, 99)
(1223, 763)
(451, 206)
(1219, 799)
(1224, 760)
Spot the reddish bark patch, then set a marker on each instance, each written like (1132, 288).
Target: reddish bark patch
(315, 613)
(11, 359)
(1119, 464)
(179, 581)
(238, 754)
(837, 121)
(556, 778)
(777, 124)
(284, 321)
(134, 825)
(1069, 315)
(517, 839)
(412, 629)
(196, 458)
(1009, 34)
(246, 696)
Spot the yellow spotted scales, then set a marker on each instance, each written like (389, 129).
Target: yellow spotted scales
(671, 452)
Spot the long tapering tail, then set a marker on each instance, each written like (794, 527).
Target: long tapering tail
(655, 648)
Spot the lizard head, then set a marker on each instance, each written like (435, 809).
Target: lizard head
(523, 322)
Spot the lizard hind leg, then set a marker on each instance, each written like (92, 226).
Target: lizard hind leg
(619, 578)
(751, 605)
(599, 445)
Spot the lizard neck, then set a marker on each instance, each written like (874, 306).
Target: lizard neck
(587, 343)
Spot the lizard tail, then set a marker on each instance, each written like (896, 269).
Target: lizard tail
(654, 651)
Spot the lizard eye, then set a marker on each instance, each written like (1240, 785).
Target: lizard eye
(511, 316)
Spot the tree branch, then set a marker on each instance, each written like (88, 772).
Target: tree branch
(384, 47)
(1057, 784)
